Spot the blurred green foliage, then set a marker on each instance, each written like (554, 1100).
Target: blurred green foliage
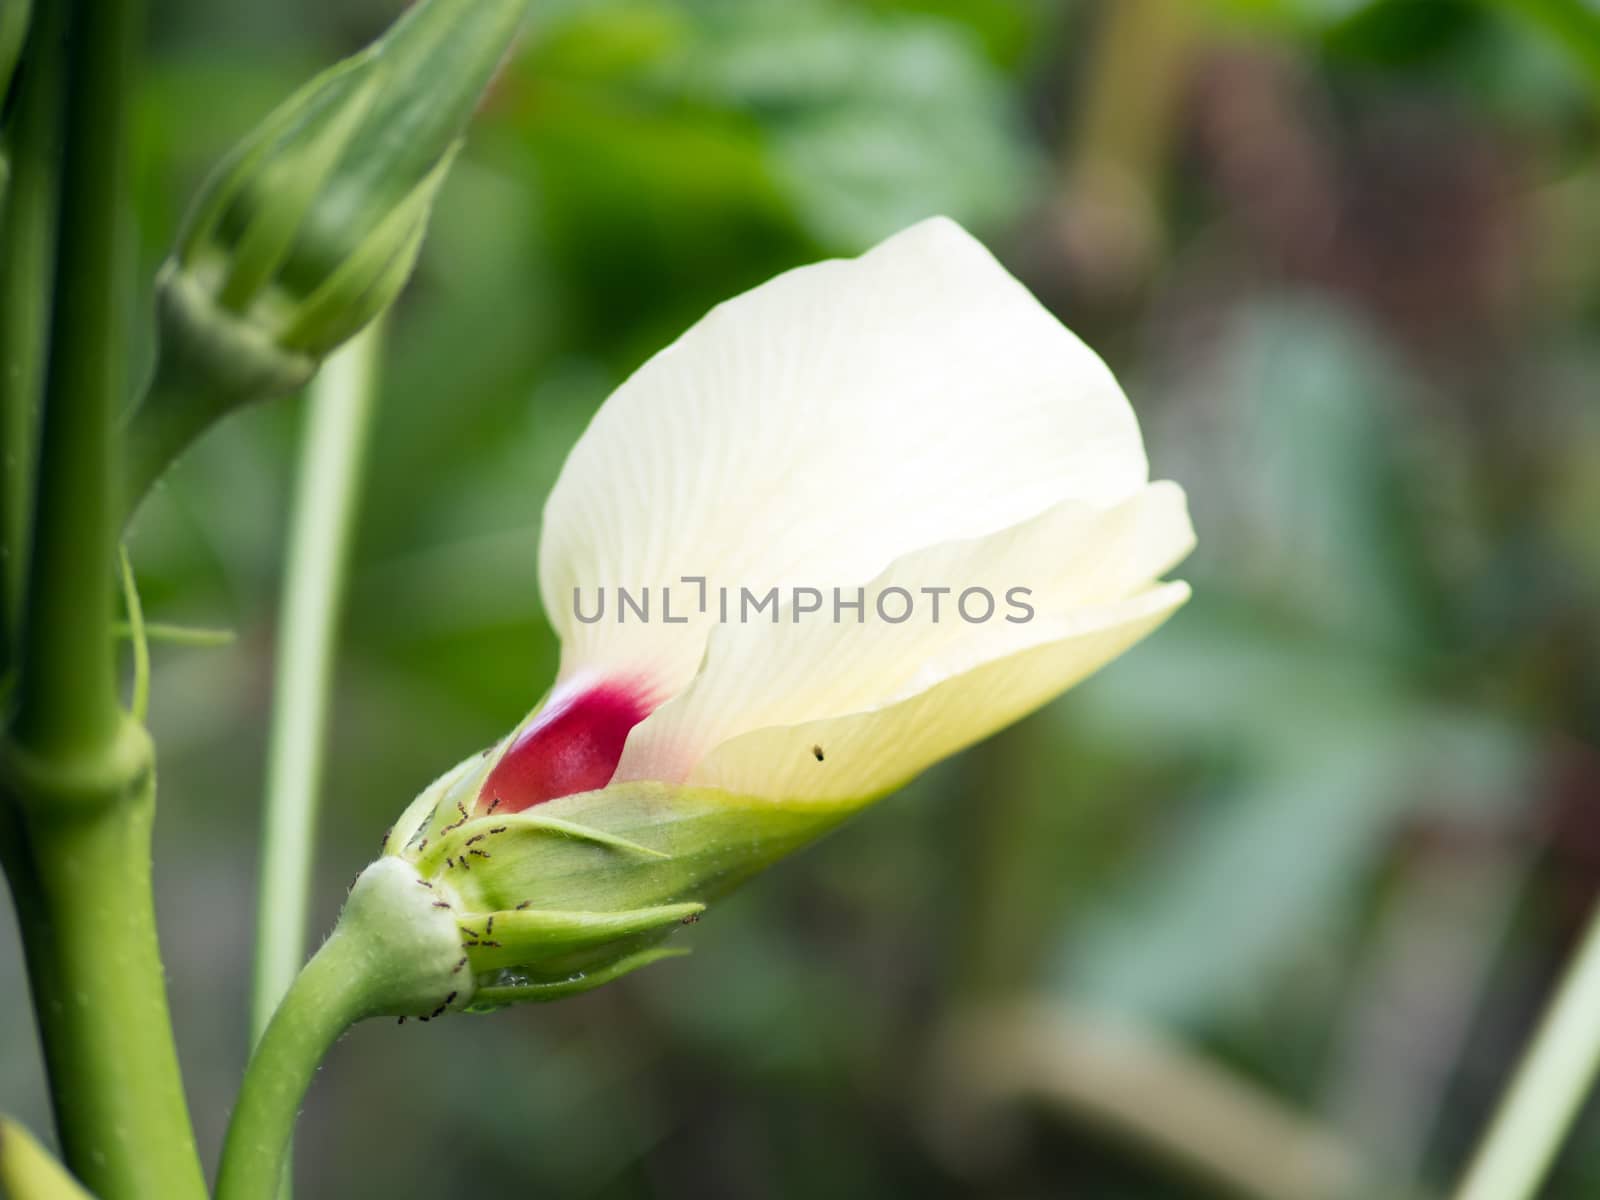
(1365, 339)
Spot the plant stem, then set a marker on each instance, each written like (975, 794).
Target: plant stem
(393, 951)
(68, 699)
(184, 399)
(76, 775)
(340, 409)
(1548, 1088)
(154, 434)
(27, 253)
(324, 1000)
(88, 927)
(139, 700)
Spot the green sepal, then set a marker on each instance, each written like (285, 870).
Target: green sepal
(532, 937)
(469, 844)
(629, 846)
(368, 281)
(309, 103)
(571, 893)
(284, 192)
(444, 804)
(414, 824)
(496, 996)
(311, 227)
(438, 59)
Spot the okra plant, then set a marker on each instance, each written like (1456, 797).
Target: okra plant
(849, 523)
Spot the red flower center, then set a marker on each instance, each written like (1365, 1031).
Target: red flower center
(573, 745)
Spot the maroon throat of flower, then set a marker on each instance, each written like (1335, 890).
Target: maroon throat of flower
(573, 745)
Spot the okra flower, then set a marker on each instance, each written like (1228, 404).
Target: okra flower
(851, 522)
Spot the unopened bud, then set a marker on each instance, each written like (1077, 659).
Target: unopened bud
(311, 227)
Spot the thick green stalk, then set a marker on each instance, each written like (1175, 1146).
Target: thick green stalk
(1549, 1087)
(76, 773)
(27, 253)
(339, 415)
(88, 926)
(68, 701)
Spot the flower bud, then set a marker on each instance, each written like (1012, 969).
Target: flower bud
(311, 227)
(575, 891)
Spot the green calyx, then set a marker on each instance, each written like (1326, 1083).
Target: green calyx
(230, 359)
(398, 945)
(575, 892)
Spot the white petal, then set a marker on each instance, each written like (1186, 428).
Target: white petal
(815, 429)
(1087, 572)
(867, 754)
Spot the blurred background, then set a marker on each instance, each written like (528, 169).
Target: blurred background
(1265, 910)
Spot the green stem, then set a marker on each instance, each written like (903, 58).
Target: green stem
(68, 698)
(340, 409)
(76, 775)
(392, 952)
(324, 1000)
(88, 926)
(27, 253)
(184, 399)
(1548, 1088)
(169, 418)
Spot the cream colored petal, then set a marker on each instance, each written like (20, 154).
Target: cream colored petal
(817, 428)
(864, 755)
(1076, 564)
